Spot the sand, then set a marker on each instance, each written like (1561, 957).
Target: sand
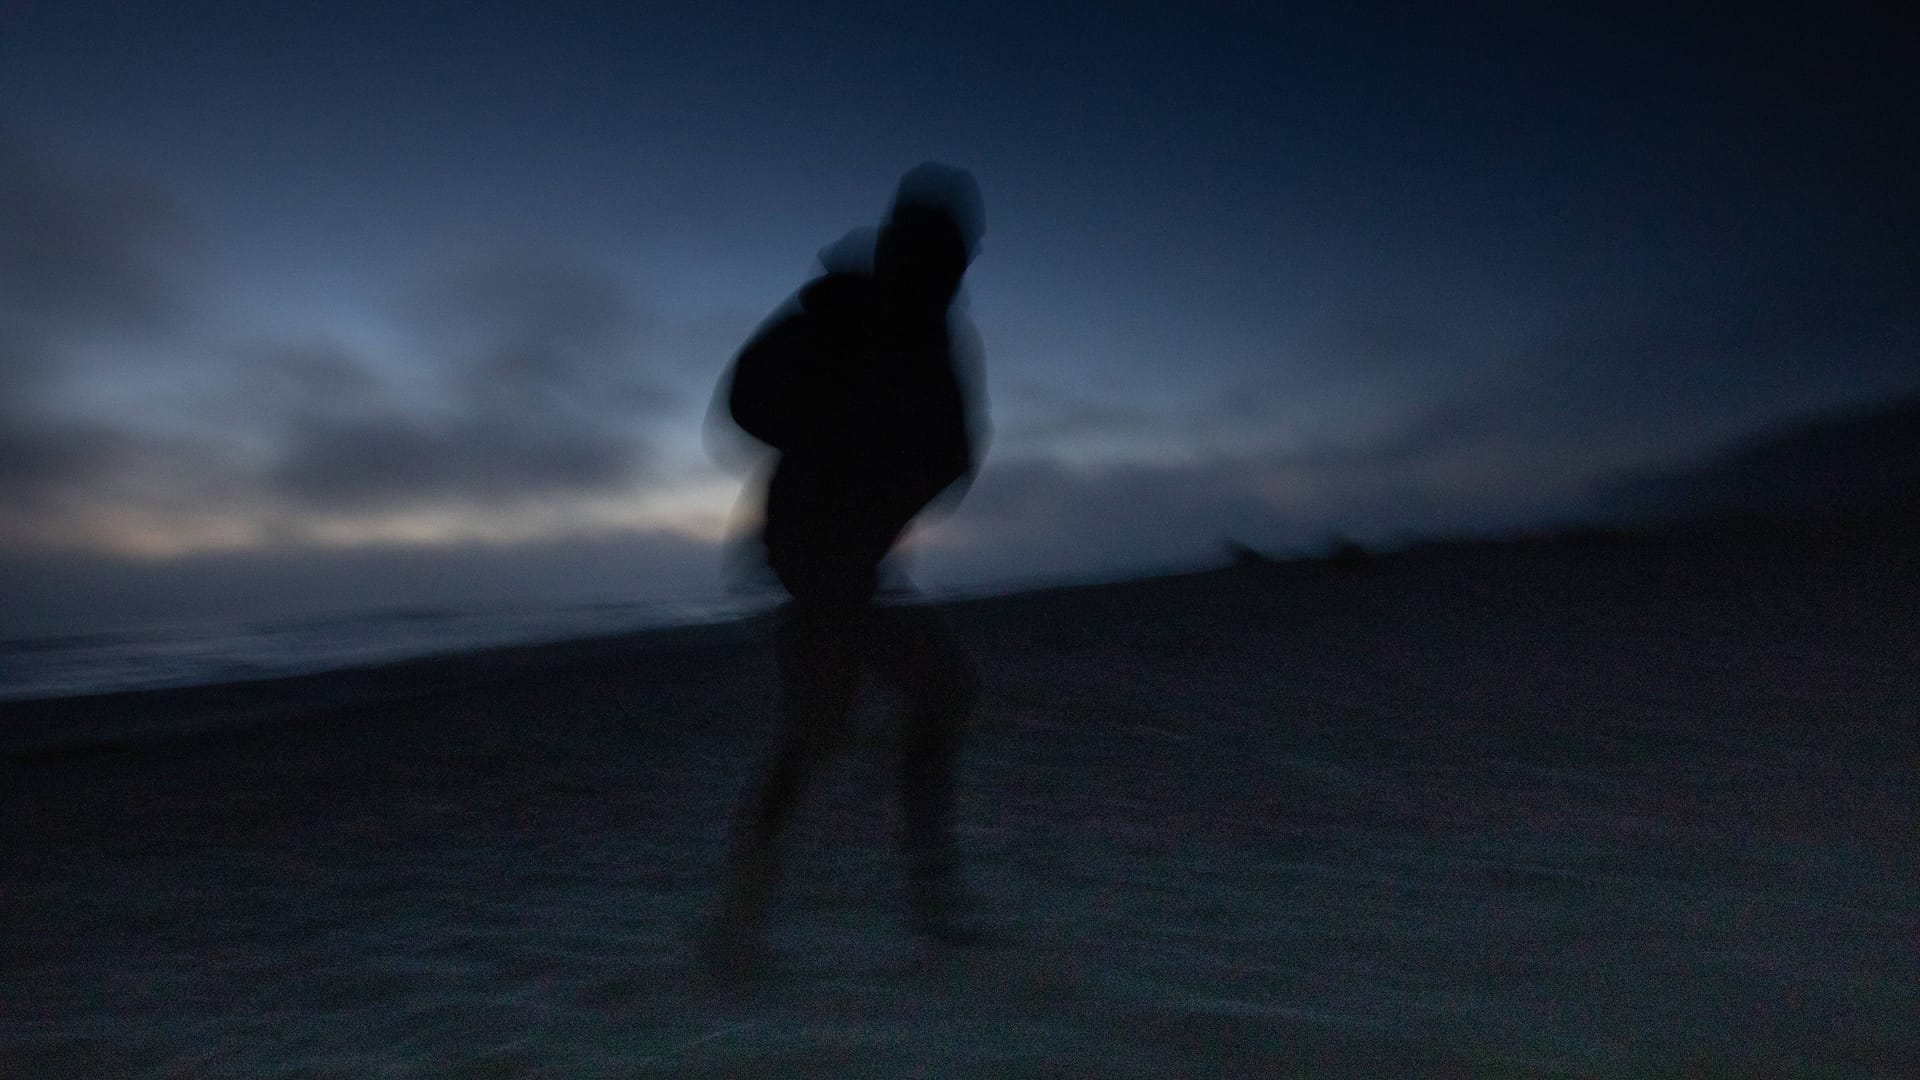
(1565, 807)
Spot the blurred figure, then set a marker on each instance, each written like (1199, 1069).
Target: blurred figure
(857, 387)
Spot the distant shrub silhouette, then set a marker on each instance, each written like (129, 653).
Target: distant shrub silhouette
(1348, 554)
(1241, 555)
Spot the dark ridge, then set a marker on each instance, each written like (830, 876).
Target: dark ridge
(1862, 464)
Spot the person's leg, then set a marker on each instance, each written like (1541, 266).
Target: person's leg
(912, 650)
(817, 646)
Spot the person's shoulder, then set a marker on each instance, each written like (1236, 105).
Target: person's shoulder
(836, 294)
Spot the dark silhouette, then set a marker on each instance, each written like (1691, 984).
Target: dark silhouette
(857, 388)
(1861, 464)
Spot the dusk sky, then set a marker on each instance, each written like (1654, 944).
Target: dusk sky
(336, 305)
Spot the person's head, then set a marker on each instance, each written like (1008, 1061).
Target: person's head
(930, 234)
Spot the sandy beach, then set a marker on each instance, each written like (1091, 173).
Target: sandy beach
(1569, 807)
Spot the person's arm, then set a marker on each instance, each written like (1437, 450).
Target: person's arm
(967, 431)
(947, 431)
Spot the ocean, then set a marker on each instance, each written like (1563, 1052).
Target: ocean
(188, 654)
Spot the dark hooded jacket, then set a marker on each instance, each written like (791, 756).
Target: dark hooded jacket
(863, 403)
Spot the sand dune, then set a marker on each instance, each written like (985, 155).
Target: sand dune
(1552, 808)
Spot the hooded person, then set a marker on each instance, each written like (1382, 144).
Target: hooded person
(857, 389)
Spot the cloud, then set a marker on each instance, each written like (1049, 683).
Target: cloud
(68, 591)
(1522, 438)
(1036, 517)
(1400, 408)
(82, 260)
(43, 460)
(1038, 418)
(398, 461)
(1633, 376)
(518, 381)
(80, 253)
(539, 390)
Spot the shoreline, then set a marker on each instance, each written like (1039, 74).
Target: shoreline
(111, 719)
